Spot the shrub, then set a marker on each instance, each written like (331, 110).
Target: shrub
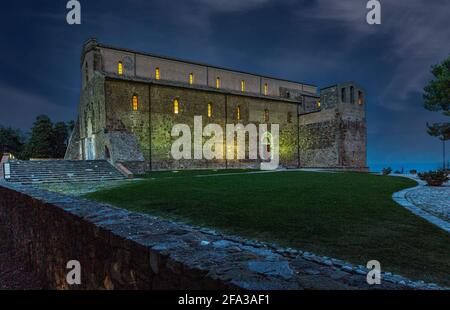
(434, 178)
(413, 171)
(387, 171)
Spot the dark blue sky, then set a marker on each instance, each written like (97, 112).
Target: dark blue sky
(317, 41)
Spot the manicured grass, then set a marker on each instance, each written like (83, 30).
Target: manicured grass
(349, 216)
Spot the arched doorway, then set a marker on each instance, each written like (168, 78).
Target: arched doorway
(266, 146)
(90, 141)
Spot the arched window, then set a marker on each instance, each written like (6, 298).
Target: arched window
(157, 74)
(243, 85)
(218, 82)
(120, 68)
(135, 103)
(266, 115)
(176, 106)
(191, 78)
(352, 94)
(238, 113)
(266, 89)
(289, 117)
(210, 109)
(343, 97)
(360, 97)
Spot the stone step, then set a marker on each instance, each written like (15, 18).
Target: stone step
(32, 180)
(64, 172)
(58, 171)
(63, 177)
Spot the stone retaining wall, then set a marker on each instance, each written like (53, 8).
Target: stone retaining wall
(53, 229)
(118, 249)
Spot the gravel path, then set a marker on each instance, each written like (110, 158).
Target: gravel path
(435, 200)
(431, 203)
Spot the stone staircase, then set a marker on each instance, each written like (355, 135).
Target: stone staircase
(60, 171)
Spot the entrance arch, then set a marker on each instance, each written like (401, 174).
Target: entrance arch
(266, 146)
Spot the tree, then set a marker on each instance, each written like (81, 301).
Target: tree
(437, 98)
(11, 141)
(41, 143)
(47, 140)
(442, 131)
(61, 135)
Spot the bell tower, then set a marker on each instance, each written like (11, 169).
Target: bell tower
(352, 128)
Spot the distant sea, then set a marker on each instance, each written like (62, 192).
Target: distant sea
(420, 167)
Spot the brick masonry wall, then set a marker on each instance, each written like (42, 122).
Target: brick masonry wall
(144, 66)
(333, 137)
(337, 139)
(191, 103)
(318, 139)
(352, 134)
(155, 119)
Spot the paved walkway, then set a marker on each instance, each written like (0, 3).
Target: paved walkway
(431, 203)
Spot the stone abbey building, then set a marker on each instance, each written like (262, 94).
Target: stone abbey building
(130, 101)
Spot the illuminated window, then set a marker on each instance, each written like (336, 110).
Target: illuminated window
(238, 113)
(289, 117)
(266, 115)
(157, 74)
(120, 68)
(360, 97)
(266, 89)
(218, 82)
(191, 78)
(176, 106)
(242, 85)
(135, 103)
(210, 109)
(318, 104)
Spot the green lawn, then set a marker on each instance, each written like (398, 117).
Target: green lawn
(350, 216)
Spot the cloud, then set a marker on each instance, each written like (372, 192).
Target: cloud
(201, 12)
(415, 34)
(230, 5)
(25, 106)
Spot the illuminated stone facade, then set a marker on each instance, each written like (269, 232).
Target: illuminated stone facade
(326, 131)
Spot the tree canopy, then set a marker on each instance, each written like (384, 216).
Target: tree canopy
(11, 141)
(47, 140)
(437, 98)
